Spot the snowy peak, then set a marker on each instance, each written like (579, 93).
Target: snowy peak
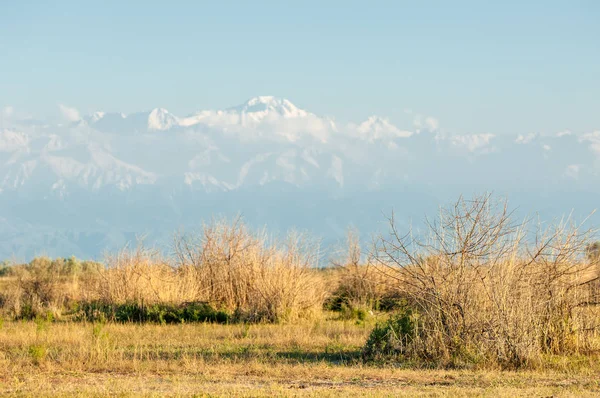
(377, 127)
(161, 119)
(158, 119)
(100, 115)
(11, 140)
(261, 107)
(93, 118)
(265, 117)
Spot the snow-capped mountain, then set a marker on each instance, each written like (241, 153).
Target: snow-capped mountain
(161, 119)
(249, 114)
(156, 119)
(104, 178)
(258, 108)
(264, 117)
(378, 128)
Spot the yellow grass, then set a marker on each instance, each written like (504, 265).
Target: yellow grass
(316, 358)
(485, 300)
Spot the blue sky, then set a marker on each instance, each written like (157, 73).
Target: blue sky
(473, 65)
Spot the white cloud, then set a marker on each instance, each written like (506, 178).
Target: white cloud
(377, 128)
(69, 113)
(564, 133)
(249, 126)
(593, 139)
(428, 123)
(472, 142)
(526, 139)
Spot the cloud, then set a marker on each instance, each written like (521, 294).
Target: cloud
(564, 133)
(268, 125)
(428, 123)
(69, 113)
(473, 142)
(594, 141)
(377, 128)
(526, 139)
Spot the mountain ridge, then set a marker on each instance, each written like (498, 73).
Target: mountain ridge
(259, 157)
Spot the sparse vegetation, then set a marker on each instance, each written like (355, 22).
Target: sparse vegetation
(480, 292)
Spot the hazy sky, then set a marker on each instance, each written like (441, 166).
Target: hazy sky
(511, 66)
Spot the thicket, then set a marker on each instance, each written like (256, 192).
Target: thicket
(483, 288)
(360, 285)
(225, 273)
(44, 286)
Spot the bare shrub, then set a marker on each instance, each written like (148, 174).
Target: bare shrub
(362, 284)
(486, 288)
(141, 276)
(239, 271)
(226, 268)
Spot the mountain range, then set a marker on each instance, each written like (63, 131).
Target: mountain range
(100, 181)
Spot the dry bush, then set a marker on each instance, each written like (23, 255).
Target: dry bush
(142, 276)
(361, 284)
(45, 286)
(240, 271)
(226, 267)
(483, 288)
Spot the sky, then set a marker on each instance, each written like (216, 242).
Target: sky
(496, 67)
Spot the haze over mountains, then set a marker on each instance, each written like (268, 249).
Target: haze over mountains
(97, 181)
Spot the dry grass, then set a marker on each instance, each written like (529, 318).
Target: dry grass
(142, 276)
(247, 274)
(481, 293)
(318, 358)
(226, 265)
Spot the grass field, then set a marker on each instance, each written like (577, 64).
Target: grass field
(478, 313)
(316, 358)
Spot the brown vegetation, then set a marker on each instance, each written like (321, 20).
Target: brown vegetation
(241, 272)
(226, 266)
(483, 288)
(478, 290)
